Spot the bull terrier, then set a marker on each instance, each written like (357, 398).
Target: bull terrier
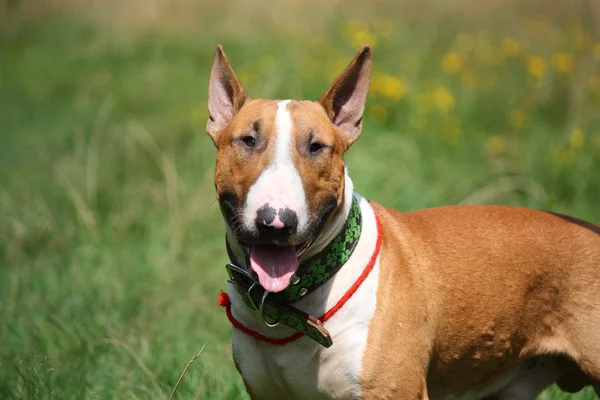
(332, 296)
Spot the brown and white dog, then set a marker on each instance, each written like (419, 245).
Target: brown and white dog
(459, 302)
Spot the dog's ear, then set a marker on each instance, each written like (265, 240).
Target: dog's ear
(345, 99)
(225, 95)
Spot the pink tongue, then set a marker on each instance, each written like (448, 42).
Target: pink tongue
(274, 265)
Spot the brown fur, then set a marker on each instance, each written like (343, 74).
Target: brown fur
(468, 292)
(237, 169)
(323, 177)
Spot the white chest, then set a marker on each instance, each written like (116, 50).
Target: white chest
(303, 369)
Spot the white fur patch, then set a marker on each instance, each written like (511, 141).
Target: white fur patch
(304, 369)
(280, 185)
(283, 121)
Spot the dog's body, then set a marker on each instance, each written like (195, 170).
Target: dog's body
(462, 302)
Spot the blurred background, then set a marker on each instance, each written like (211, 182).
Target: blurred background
(111, 244)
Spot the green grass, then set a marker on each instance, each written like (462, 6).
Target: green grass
(111, 245)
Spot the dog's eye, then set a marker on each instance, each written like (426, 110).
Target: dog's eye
(249, 141)
(315, 148)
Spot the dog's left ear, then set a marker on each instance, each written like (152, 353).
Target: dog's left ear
(345, 99)
(225, 95)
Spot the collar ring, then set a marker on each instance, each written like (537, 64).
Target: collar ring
(261, 313)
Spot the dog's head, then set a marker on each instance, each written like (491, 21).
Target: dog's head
(280, 171)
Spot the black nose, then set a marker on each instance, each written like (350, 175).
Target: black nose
(276, 224)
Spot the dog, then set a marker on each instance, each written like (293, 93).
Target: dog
(332, 296)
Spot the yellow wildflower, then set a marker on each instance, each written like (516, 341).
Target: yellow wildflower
(495, 146)
(359, 34)
(378, 113)
(563, 62)
(388, 86)
(536, 66)
(577, 139)
(360, 38)
(516, 119)
(452, 62)
(510, 47)
(443, 99)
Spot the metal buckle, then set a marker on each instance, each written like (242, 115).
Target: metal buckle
(231, 270)
(261, 312)
(234, 268)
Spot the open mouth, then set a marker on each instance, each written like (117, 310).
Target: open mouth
(275, 265)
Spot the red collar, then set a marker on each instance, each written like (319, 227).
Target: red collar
(224, 301)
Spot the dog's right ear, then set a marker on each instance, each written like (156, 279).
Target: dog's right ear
(225, 95)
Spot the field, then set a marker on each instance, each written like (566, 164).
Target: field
(111, 244)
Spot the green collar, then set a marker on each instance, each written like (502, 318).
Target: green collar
(310, 275)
